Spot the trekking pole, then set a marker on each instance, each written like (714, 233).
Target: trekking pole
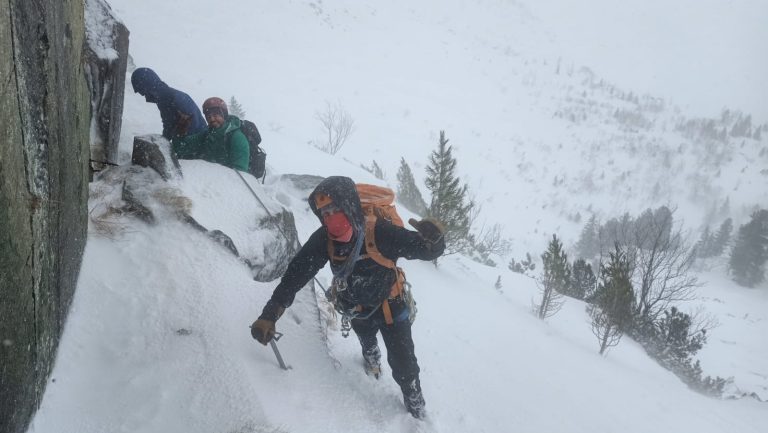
(277, 352)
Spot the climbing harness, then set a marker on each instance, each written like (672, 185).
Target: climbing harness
(347, 314)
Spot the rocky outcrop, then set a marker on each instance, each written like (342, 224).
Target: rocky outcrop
(278, 247)
(153, 151)
(149, 193)
(106, 56)
(44, 124)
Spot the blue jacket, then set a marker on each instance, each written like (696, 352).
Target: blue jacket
(177, 110)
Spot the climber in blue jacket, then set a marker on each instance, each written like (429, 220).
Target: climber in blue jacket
(178, 111)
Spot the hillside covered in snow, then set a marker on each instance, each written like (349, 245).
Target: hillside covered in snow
(556, 114)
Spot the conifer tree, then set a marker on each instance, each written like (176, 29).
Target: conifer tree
(235, 108)
(374, 169)
(583, 280)
(612, 312)
(722, 237)
(676, 341)
(555, 278)
(523, 266)
(450, 203)
(407, 192)
(589, 243)
(750, 251)
(704, 246)
(556, 266)
(497, 285)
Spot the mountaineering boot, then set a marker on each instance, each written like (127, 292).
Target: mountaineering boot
(372, 362)
(414, 399)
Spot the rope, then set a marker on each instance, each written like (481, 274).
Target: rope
(346, 315)
(278, 227)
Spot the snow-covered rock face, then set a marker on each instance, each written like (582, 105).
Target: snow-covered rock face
(262, 233)
(154, 151)
(43, 191)
(106, 53)
(278, 246)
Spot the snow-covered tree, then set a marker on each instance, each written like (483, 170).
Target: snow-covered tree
(583, 280)
(555, 278)
(722, 237)
(450, 201)
(588, 245)
(407, 191)
(704, 246)
(750, 251)
(713, 244)
(674, 341)
(523, 266)
(612, 311)
(235, 108)
(374, 169)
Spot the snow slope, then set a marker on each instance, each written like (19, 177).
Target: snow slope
(537, 134)
(158, 337)
(158, 340)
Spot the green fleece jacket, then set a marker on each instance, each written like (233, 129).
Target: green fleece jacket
(225, 145)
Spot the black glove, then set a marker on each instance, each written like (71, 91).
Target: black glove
(182, 125)
(429, 228)
(263, 329)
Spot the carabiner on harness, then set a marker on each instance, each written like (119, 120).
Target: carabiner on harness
(347, 316)
(346, 326)
(338, 285)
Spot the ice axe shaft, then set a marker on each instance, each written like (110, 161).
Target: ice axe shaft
(277, 352)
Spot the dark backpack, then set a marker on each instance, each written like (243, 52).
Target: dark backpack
(258, 163)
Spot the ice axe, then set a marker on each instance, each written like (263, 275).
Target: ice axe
(277, 352)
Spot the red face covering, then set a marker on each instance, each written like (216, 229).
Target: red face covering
(338, 226)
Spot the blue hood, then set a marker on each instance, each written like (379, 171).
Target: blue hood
(145, 81)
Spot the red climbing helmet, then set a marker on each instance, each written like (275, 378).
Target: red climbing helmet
(215, 105)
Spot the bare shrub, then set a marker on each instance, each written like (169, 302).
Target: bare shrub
(491, 241)
(105, 223)
(337, 127)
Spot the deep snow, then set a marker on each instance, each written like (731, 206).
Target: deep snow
(158, 339)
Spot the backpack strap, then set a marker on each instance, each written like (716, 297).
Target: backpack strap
(387, 312)
(372, 252)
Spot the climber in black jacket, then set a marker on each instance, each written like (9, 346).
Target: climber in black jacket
(361, 283)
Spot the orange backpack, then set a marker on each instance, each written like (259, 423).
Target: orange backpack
(378, 201)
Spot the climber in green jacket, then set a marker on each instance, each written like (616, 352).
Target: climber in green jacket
(223, 142)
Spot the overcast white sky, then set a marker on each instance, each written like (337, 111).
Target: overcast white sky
(699, 52)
